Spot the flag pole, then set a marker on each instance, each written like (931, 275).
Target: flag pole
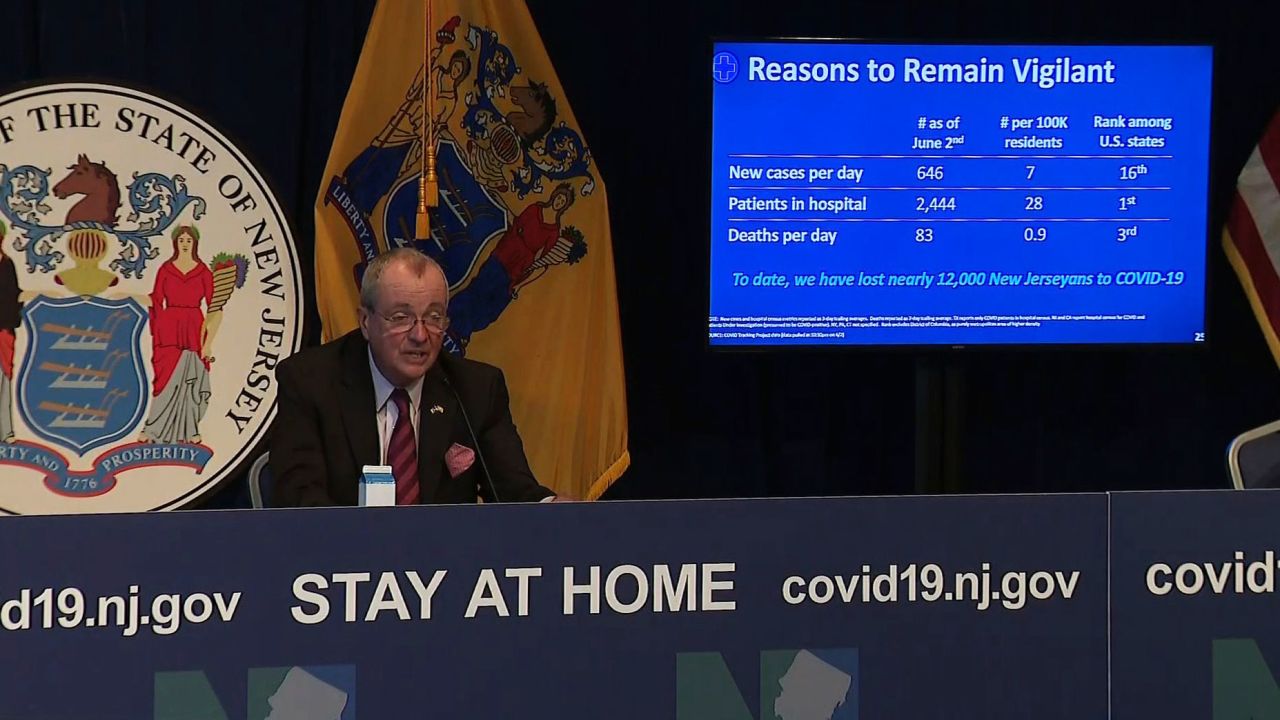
(427, 188)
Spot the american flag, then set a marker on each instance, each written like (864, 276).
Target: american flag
(1252, 235)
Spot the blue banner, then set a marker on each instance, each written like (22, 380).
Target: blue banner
(856, 608)
(1194, 617)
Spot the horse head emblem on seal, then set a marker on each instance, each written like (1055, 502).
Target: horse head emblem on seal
(100, 188)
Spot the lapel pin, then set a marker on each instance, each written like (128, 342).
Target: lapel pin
(436, 409)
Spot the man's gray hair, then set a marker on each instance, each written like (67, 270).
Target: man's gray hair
(415, 260)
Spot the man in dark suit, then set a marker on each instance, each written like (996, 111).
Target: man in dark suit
(384, 394)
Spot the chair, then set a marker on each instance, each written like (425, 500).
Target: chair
(1253, 458)
(260, 482)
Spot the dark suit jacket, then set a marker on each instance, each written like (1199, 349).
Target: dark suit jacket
(326, 429)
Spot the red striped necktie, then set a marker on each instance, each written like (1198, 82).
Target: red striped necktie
(402, 452)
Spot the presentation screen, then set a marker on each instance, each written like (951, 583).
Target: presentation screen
(922, 195)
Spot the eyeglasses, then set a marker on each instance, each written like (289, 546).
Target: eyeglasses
(402, 322)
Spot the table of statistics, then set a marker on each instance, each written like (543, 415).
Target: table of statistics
(954, 195)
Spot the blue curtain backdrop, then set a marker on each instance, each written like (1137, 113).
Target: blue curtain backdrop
(272, 74)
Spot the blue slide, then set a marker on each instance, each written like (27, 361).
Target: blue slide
(868, 194)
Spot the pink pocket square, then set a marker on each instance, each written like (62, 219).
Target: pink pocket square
(458, 459)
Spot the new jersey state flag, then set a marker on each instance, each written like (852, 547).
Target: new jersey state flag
(521, 228)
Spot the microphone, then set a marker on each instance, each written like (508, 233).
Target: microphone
(484, 467)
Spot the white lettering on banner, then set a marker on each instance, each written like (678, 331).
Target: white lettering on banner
(591, 589)
(1155, 586)
(1239, 576)
(522, 576)
(320, 602)
(164, 614)
(642, 589)
(487, 594)
(710, 585)
(668, 593)
(352, 581)
(685, 588)
(930, 583)
(388, 595)
(425, 592)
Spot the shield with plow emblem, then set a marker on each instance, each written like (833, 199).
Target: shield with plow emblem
(82, 383)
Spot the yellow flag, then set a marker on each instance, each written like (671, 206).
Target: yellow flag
(521, 227)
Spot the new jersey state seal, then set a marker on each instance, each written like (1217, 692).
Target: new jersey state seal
(149, 285)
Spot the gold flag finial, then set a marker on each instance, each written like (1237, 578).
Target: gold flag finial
(428, 192)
